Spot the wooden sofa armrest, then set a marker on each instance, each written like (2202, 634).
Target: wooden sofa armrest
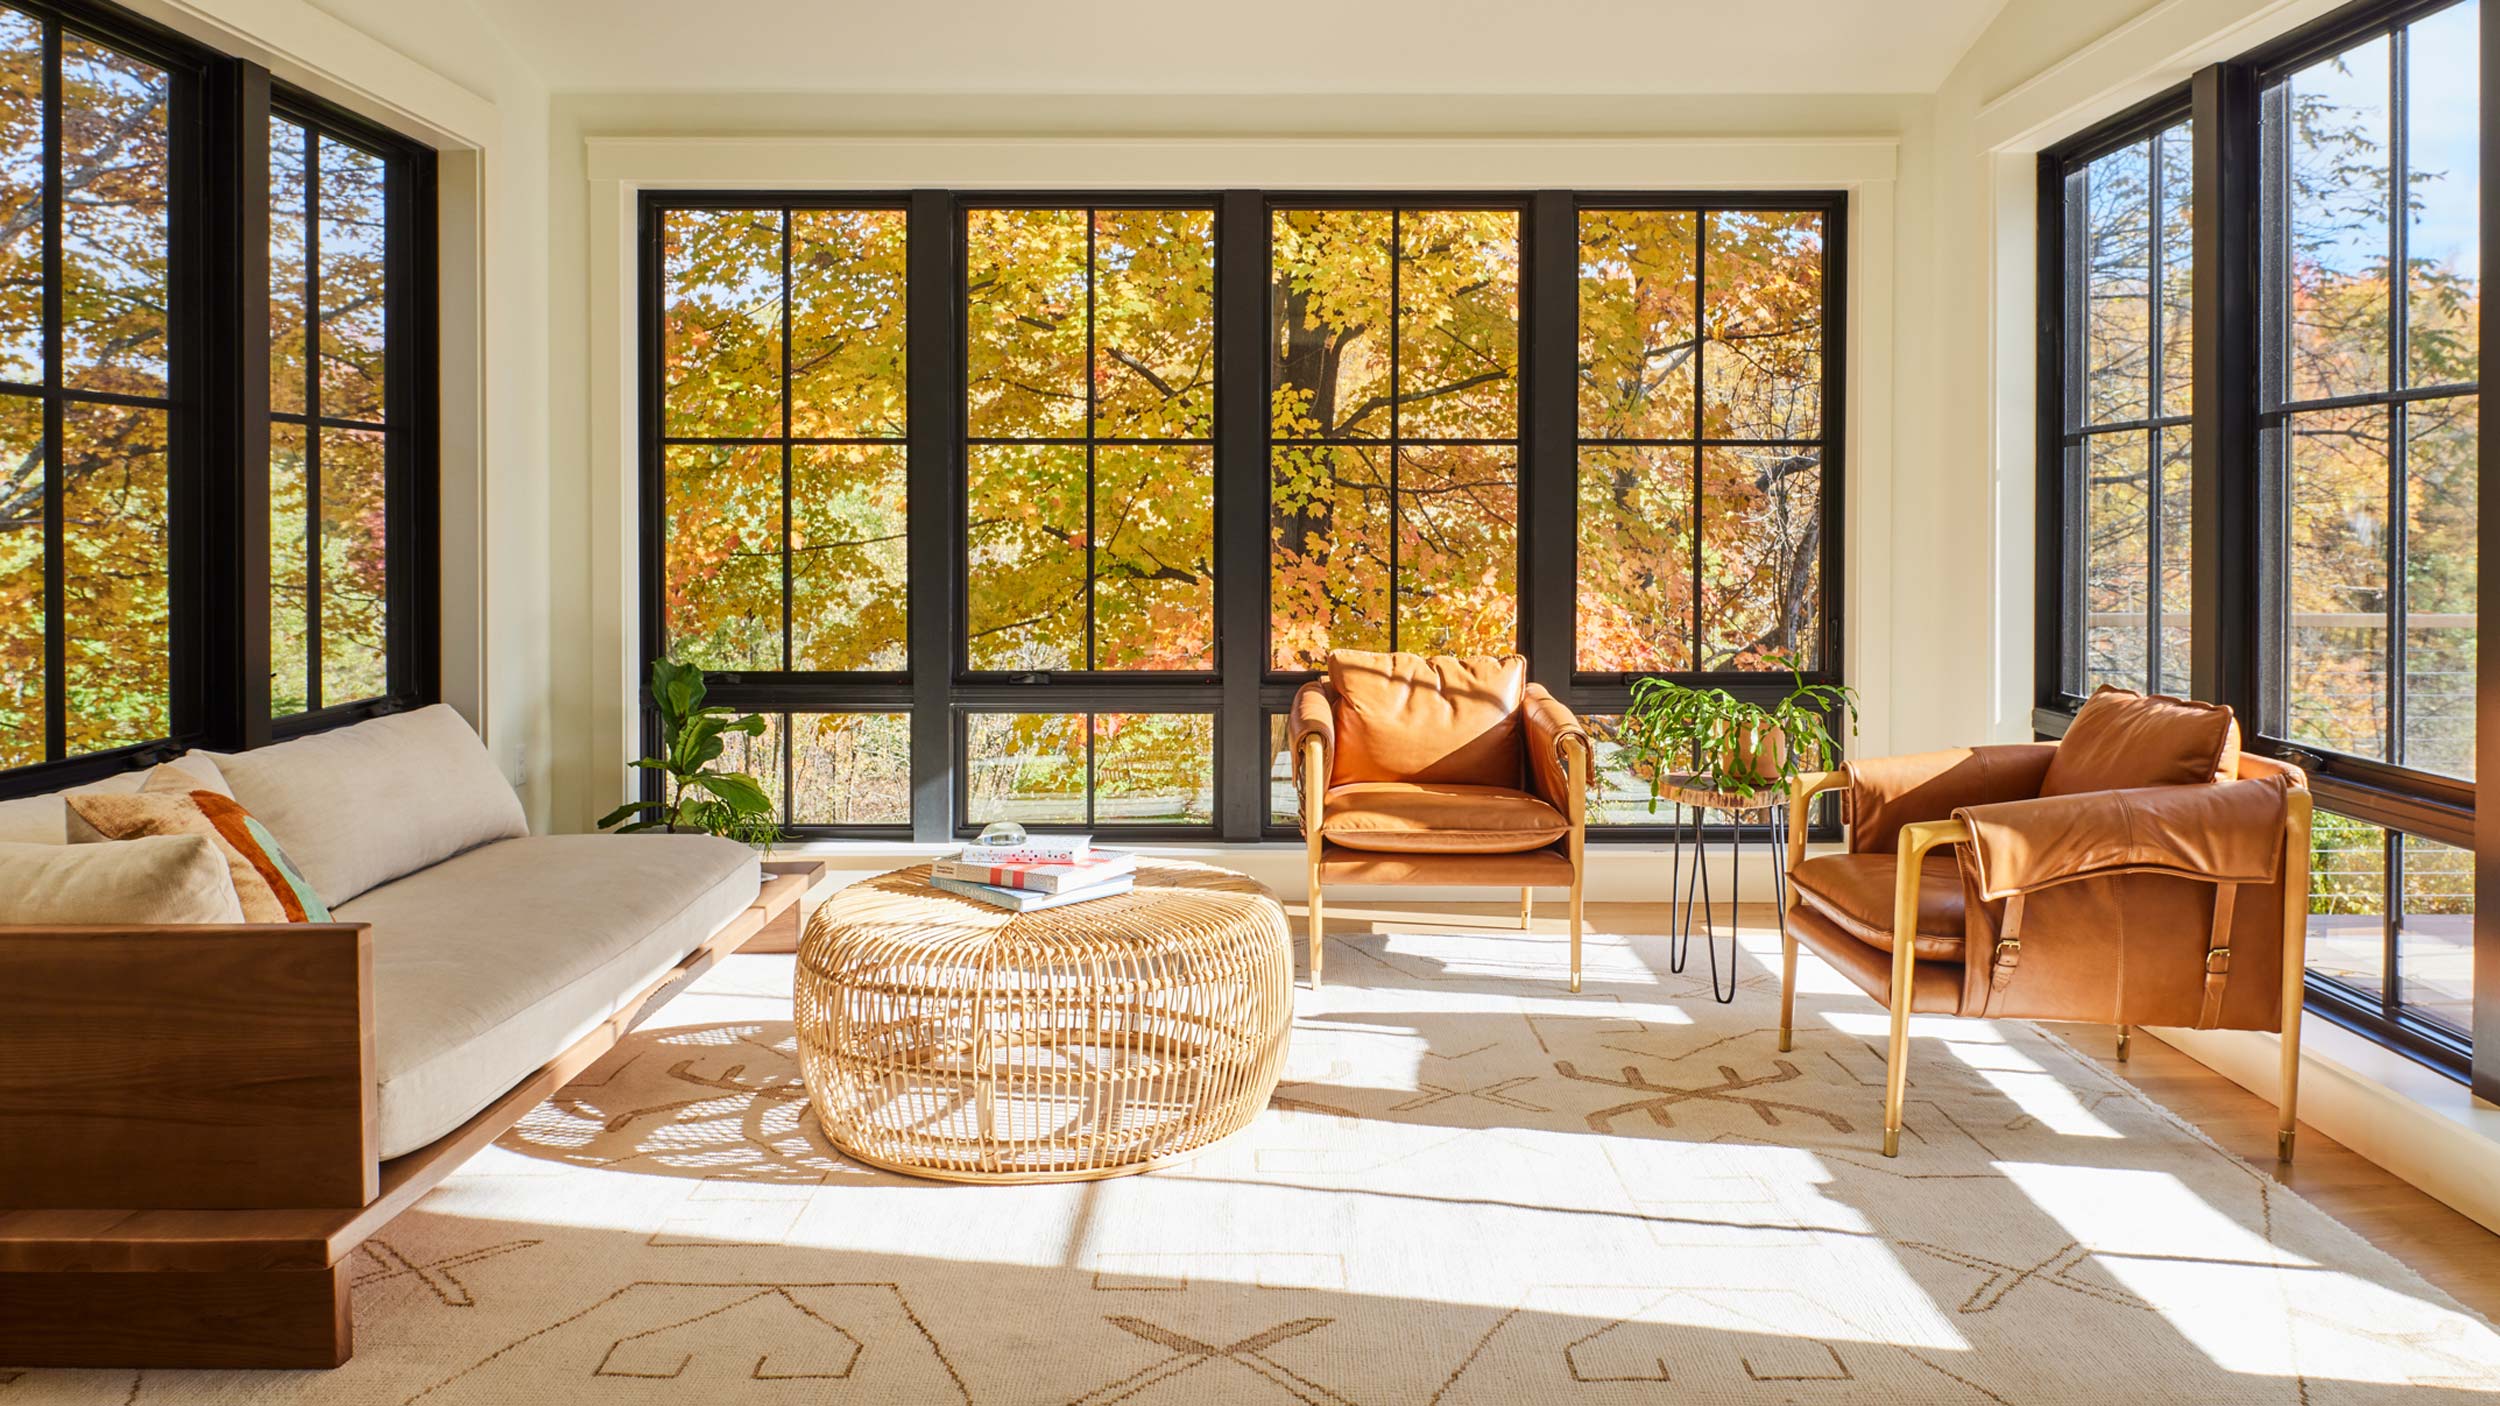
(208, 1066)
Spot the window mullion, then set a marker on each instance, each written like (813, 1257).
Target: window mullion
(934, 475)
(1549, 463)
(55, 584)
(1241, 519)
(2223, 497)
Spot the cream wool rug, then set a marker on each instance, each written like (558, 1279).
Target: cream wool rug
(1473, 1189)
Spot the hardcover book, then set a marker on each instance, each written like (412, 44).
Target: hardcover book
(1026, 901)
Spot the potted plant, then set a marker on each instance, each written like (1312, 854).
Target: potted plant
(698, 799)
(1730, 745)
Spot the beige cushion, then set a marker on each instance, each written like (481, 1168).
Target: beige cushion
(366, 804)
(489, 965)
(45, 819)
(161, 879)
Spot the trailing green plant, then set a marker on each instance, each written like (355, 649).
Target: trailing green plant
(730, 804)
(1727, 744)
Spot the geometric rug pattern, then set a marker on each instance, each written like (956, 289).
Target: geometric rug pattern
(1472, 1189)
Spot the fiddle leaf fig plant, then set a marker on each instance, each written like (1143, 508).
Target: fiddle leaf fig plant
(1727, 744)
(696, 798)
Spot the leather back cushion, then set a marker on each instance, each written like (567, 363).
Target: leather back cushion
(2123, 740)
(1404, 717)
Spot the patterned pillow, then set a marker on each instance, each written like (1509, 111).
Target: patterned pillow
(266, 886)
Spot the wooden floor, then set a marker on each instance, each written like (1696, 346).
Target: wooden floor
(2450, 1251)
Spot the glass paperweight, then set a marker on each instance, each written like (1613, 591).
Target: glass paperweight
(1002, 832)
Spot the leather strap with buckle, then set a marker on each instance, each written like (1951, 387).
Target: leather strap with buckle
(2218, 955)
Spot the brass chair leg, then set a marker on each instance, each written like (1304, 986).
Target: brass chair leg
(1319, 952)
(1897, 1058)
(1527, 908)
(1788, 983)
(2124, 1039)
(1575, 932)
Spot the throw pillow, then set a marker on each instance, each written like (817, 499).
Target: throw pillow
(266, 886)
(160, 879)
(2122, 740)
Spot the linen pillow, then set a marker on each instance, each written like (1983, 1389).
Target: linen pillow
(46, 820)
(159, 879)
(266, 887)
(2122, 740)
(360, 806)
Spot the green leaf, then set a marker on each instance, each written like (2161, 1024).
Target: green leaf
(741, 793)
(617, 815)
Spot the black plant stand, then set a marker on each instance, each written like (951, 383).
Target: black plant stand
(1693, 803)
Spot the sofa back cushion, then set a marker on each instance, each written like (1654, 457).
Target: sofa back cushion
(1405, 717)
(162, 879)
(2123, 740)
(366, 804)
(46, 819)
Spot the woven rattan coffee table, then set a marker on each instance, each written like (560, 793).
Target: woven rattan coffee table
(945, 1038)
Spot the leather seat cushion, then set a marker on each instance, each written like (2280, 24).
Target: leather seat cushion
(1407, 817)
(1855, 892)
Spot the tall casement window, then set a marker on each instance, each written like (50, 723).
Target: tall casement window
(86, 394)
(2124, 440)
(1163, 452)
(134, 436)
(2307, 403)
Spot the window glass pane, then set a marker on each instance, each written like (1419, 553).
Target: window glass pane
(354, 600)
(757, 756)
(113, 546)
(1458, 550)
(290, 590)
(1328, 551)
(848, 585)
(288, 203)
(352, 306)
(2338, 205)
(2339, 580)
(721, 323)
(1761, 549)
(21, 205)
(1329, 311)
(2442, 554)
(2348, 902)
(1024, 325)
(114, 239)
(1284, 803)
(847, 365)
(1636, 559)
(2178, 541)
(1762, 313)
(2178, 270)
(2443, 156)
(1620, 795)
(2117, 506)
(2117, 286)
(1154, 769)
(1025, 767)
(1637, 334)
(2435, 942)
(1154, 557)
(722, 544)
(1154, 324)
(850, 769)
(21, 579)
(1458, 324)
(1025, 549)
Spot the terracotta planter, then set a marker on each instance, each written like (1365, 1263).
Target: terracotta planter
(1756, 750)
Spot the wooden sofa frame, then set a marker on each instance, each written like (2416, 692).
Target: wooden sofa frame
(188, 1133)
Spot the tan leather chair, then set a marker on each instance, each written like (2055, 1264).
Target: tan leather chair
(1439, 770)
(2140, 872)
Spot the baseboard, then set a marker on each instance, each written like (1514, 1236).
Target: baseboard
(2417, 1123)
(1616, 873)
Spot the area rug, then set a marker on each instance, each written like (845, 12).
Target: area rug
(1473, 1189)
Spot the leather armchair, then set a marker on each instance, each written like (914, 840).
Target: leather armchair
(1439, 770)
(2141, 872)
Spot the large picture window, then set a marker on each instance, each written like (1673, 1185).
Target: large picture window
(163, 384)
(2264, 297)
(1164, 451)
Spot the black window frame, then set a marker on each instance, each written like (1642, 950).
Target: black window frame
(217, 354)
(2237, 648)
(1243, 692)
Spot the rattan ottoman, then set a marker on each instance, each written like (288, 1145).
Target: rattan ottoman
(945, 1038)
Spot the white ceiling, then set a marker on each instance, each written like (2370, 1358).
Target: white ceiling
(1329, 47)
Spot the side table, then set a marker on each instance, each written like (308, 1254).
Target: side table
(1693, 801)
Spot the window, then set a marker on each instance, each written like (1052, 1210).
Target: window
(1394, 444)
(2285, 363)
(1039, 508)
(160, 386)
(1090, 462)
(87, 414)
(2368, 394)
(2125, 439)
(1701, 440)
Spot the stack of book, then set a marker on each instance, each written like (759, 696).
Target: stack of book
(1041, 871)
